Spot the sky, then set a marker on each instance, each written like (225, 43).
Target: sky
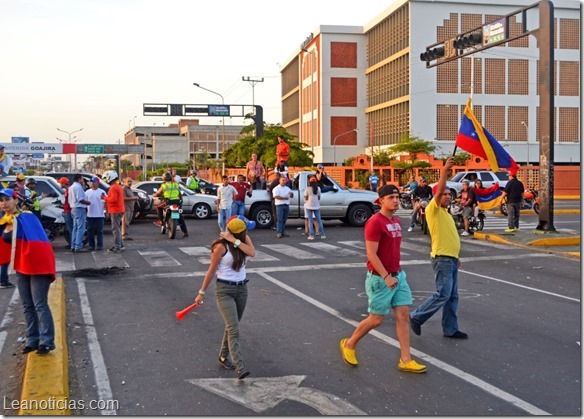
(92, 64)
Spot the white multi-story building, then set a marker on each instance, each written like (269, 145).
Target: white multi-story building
(371, 79)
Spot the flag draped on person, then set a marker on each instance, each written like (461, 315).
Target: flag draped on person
(475, 139)
(488, 198)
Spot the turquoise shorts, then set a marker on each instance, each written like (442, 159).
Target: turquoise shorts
(382, 298)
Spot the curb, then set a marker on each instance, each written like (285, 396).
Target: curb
(45, 387)
(556, 211)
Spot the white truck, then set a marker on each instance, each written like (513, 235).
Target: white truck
(488, 177)
(353, 206)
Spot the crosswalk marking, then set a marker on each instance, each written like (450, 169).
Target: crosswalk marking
(157, 258)
(331, 250)
(359, 244)
(292, 251)
(196, 250)
(262, 257)
(65, 264)
(106, 260)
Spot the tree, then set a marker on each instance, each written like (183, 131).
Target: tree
(240, 153)
(412, 145)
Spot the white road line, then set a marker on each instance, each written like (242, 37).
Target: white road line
(520, 286)
(263, 257)
(66, 264)
(483, 385)
(292, 251)
(102, 382)
(8, 317)
(106, 260)
(158, 258)
(331, 250)
(196, 250)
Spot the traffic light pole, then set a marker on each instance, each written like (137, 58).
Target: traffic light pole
(459, 46)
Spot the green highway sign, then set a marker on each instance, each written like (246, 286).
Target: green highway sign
(93, 149)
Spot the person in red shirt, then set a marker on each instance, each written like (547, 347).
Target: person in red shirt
(242, 188)
(385, 283)
(282, 150)
(64, 182)
(115, 208)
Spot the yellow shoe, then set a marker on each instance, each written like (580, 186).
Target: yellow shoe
(510, 230)
(348, 354)
(411, 366)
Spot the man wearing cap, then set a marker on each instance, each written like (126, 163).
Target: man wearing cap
(445, 263)
(5, 161)
(385, 283)
(422, 193)
(20, 186)
(78, 205)
(514, 192)
(282, 150)
(95, 215)
(64, 183)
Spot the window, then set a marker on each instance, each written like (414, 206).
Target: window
(44, 187)
(486, 177)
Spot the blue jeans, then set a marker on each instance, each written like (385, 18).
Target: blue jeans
(446, 296)
(231, 301)
(34, 294)
(314, 214)
(238, 208)
(79, 221)
(282, 216)
(4, 274)
(95, 232)
(68, 217)
(224, 215)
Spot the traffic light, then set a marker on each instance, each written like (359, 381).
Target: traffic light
(432, 54)
(258, 118)
(463, 42)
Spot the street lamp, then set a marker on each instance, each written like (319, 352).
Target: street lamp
(335, 143)
(222, 124)
(527, 137)
(69, 142)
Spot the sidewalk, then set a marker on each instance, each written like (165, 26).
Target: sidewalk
(560, 243)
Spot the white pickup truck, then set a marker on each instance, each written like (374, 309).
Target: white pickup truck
(353, 206)
(488, 177)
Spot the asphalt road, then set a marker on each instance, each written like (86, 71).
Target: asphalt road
(520, 308)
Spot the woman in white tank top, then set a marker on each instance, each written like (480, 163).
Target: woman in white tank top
(228, 258)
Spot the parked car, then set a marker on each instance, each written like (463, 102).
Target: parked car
(142, 207)
(44, 185)
(486, 176)
(200, 206)
(206, 187)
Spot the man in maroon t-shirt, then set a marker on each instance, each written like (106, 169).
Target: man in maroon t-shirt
(385, 283)
(242, 188)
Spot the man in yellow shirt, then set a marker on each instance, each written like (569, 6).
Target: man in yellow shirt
(445, 263)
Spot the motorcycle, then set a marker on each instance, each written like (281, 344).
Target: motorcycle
(530, 201)
(476, 220)
(421, 216)
(53, 221)
(405, 200)
(171, 214)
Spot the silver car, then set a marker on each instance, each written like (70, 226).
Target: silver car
(201, 206)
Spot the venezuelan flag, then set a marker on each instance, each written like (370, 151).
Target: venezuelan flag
(475, 139)
(488, 198)
(33, 254)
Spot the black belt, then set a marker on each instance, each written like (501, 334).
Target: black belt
(245, 281)
(394, 274)
(444, 256)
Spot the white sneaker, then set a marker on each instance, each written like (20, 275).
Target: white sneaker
(464, 233)
(410, 229)
(310, 237)
(323, 237)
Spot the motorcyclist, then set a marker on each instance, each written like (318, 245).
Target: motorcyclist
(32, 195)
(467, 201)
(411, 187)
(170, 191)
(193, 182)
(422, 192)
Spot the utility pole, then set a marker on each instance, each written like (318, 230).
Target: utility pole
(253, 83)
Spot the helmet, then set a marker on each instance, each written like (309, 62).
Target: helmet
(109, 176)
(423, 179)
(167, 177)
(194, 172)
(465, 182)
(31, 181)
